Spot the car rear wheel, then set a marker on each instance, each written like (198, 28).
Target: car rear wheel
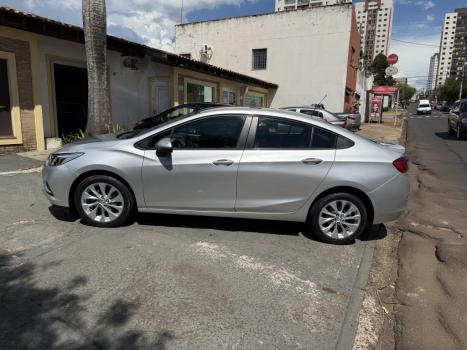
(338, 218)
(459, 134)
(450, 129)
(103, 201)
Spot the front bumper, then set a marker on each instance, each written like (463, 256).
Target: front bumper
(390, 199)
(57, 183)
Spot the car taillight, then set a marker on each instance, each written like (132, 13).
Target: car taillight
(351, 117)
(401, 164)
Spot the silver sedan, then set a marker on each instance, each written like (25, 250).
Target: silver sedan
(234, 162)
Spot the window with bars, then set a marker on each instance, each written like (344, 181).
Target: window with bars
(259, 60)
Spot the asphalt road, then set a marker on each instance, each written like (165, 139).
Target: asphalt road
(432, 288)
(168, 282)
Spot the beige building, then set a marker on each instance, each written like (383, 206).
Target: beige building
(288, 5)
(43, 81)
(446, 47)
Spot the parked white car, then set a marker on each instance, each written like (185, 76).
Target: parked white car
(424, 107)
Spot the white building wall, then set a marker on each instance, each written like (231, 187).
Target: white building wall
(446, 47)
(128, 89)
(434, 61)
(307, 51)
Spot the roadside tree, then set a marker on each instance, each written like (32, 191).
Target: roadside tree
(450, 90)
(95, 36)
(406, 92)
(378, 69)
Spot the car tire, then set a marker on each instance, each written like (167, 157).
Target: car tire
(103, 201)
(450, 130)
(332, 218)
(459, 134)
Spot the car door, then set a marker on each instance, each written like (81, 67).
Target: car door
(283, 164)
(201, 171)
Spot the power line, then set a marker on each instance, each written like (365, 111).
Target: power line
(415, 43)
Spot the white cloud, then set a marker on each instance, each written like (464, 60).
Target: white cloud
(151, 22)
(414, 60)
(430, 18)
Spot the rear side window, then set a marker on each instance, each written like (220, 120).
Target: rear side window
(323, 139)
(281, 133)
(277, 133)
(344, 142)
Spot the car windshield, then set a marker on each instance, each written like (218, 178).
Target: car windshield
(464, 108)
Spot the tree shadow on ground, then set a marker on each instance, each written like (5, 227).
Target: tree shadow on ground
(34, 317)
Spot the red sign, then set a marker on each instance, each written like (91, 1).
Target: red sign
(376, 107)
(393, 59)
(385, 90)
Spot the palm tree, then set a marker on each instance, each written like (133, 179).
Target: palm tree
(95, 37)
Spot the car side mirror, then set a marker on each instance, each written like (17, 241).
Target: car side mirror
(164, 147)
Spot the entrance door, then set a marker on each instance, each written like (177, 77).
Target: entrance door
(71, 98)
(160, 96)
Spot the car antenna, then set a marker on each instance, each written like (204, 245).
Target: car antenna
(320, 102)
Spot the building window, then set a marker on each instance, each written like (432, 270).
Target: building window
(253, 100)
(10, 123)
(259, 59)
(229, 97)
(199, 92)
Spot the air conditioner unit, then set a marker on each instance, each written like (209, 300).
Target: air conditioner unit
(131, 63)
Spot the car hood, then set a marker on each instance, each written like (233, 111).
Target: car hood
(100, 141)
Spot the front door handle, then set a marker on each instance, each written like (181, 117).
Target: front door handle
(312, 161)
(223, 162)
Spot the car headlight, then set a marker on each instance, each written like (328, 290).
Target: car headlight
(56, 159)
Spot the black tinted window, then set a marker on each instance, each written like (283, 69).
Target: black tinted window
(323, 139)
(344, 142)
(214, 132)
(281, 133)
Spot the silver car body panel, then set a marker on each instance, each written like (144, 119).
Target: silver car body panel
(260, 184)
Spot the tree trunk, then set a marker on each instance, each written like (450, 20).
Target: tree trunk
(95, 37)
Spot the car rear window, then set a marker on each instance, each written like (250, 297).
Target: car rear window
(424, 106)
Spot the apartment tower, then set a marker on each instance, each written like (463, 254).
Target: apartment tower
(434, 62)
(374, 20)
(288, 5)
(459, 54)
(446, 47)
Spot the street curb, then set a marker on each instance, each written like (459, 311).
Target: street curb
(403, 138)
(350, 324)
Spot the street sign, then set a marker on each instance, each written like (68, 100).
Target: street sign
(393, 59)
(391, 70)
(384, 90)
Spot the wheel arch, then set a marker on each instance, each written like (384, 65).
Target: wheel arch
(351, 190)
(89, 173)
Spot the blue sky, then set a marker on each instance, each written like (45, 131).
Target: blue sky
(152, 22)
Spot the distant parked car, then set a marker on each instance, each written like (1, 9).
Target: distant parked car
(234, 162)
(175, 112)
(447, 106)
(438, 106)
(354, 120)
(320, 113)
(457, 119)
(424, 107)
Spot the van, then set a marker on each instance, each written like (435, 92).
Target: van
(424, 107)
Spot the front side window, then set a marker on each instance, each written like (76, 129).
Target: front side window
(259, 59)
(6, 123)
(219, 132)
(199, 93)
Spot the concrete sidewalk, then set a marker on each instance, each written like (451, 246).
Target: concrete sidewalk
(15, 162)
(384, 132)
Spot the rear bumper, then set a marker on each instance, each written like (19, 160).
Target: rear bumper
(390, 199)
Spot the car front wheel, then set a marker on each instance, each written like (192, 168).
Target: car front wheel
(103, 201)
(338, 218)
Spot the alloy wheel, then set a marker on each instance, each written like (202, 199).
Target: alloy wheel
(339, 219)
(102, 202)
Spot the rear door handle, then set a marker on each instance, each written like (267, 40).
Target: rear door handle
(223, 162)
(312, 161)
